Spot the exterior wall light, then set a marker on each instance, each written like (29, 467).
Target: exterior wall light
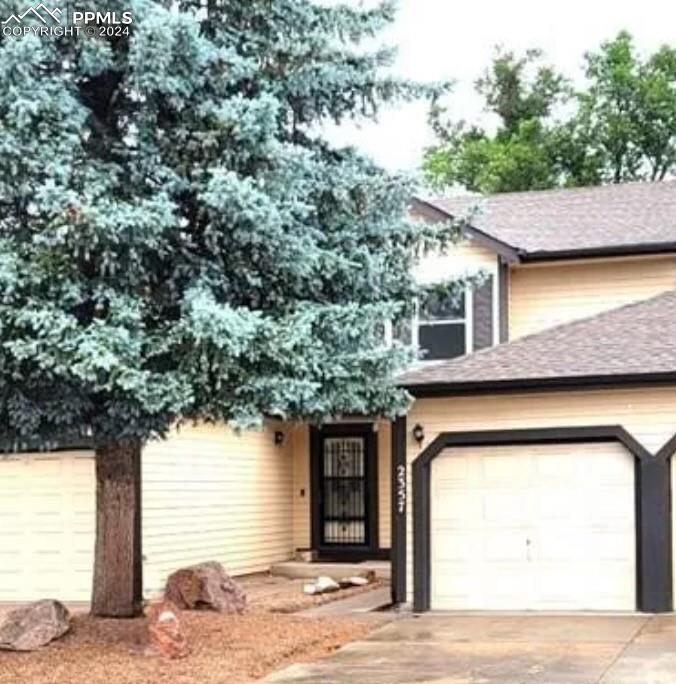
(279, 437)
(419, 433)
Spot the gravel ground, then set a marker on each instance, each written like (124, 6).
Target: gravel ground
(226, 649)
(282, 595)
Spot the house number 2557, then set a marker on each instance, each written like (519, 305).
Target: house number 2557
(401, 489)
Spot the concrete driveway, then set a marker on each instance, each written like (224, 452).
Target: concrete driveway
(509, 649)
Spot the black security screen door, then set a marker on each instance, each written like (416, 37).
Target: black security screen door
(344, 491)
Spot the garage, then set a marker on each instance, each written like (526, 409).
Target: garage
(46, 525)
(533, 527)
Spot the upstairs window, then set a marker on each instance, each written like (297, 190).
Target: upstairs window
(440, 330)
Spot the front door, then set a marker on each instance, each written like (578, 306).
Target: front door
(344, 492)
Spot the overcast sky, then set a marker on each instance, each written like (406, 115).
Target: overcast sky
(451, 40)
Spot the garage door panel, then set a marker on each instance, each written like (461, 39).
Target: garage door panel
(611, 507)
(454, 470)
(505, 508)
(556, 469)
(532, 529)
(457, 547)
(461, 592)
(457, 505)
(505, 545)
(509, 589)
(559, 503)
(47, 521)
(502, 468)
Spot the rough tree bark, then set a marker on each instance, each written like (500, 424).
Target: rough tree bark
(118, 583)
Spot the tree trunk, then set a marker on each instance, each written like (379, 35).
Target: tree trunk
(118, 583)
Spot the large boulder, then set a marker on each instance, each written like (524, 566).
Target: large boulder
(165, 633)
(33, 626)
(205, 585)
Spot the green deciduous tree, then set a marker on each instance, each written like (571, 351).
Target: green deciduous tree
(177, 242)
(627, 117)
(620, 127)
(521, 92)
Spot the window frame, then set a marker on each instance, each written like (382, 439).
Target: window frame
(466, 321)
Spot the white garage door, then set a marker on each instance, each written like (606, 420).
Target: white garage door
(546, 527)
(46, 526)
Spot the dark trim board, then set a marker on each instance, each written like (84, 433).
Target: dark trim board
(399, 503)
(503, 300)
(653, 504)
(555, 384)
(483, 308)
(639, 249)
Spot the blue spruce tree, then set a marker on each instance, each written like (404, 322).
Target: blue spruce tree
(178, 242)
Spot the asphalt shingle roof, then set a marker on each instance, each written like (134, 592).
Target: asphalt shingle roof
(635, 340)
(578, 219)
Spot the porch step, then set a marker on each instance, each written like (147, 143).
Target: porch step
(337, 571)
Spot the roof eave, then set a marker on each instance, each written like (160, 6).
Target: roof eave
(596, 252)
(507, 252)
(534, 385)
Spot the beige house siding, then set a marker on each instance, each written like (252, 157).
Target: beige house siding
(466, 257)
(545, 295)
(212, 494)
(647, 414)
(302, 534)
(384, 484)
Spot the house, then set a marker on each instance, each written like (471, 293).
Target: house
(541, 477)
(533, 470)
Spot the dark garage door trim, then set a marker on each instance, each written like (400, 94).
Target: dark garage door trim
(653, 504)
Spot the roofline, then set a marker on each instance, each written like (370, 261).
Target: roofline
(595, 252)
(535, 385)
(507, 252)
(517, 255)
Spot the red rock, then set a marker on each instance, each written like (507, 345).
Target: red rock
(205, 586)
(165, 634)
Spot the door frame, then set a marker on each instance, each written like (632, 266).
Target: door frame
(370, 550)
(652, 500)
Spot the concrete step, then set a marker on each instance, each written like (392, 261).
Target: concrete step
(366, 602)
(337, 571)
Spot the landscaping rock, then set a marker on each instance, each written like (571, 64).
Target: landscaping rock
(369, 575)
(354, 582)
(322, 585)
(33, 626)
(326, 584)
(205, 585)
(165, 633)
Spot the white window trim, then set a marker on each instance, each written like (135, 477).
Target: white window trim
(466, 321)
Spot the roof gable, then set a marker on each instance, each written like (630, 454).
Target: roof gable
(631, 218)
